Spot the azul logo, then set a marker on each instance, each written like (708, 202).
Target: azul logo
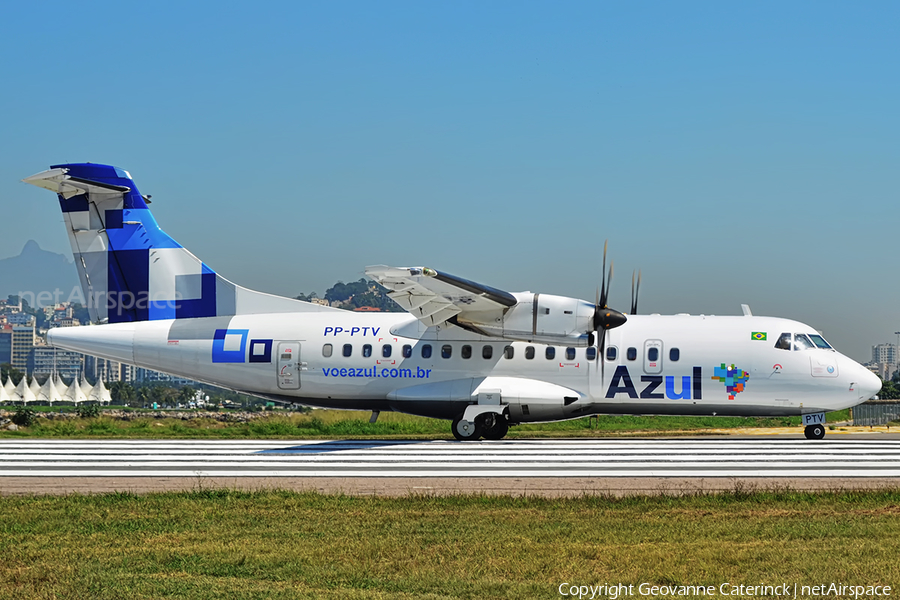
(734, 379)
(690, 384)
(230, 346)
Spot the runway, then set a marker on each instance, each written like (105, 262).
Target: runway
(568, 458)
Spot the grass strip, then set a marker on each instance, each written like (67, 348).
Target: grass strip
(273, 544)
(355, 425)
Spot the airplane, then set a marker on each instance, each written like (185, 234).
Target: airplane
(483, 358)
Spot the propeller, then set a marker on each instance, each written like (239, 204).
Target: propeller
(635, 292)
(605, 318)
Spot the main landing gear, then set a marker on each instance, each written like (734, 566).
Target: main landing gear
(814, 432)
(490, 426)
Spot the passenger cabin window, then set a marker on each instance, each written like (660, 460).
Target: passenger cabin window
(631, 354)
(367, 350)
(407, 351)
(327, 349)
(653, 354)
(784, 342)
(674, 354)
(611, 353)
(550, 353)
(570, 353)
(820, 342)
(529, 352)
(801, 342)
(426, 351)
(446, 351)
(348, 349)
(509, 352)
(466, 352)
(591, 353)
(386, 350)
(487, 352)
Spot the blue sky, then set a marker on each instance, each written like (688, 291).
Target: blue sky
(736, 153)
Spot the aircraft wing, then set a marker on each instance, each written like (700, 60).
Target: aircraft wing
(434, 296)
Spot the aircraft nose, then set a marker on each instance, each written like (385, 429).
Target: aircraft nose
(869, 383)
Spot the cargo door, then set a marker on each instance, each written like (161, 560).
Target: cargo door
(289, 365)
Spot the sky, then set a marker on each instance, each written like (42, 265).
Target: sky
(733, 152)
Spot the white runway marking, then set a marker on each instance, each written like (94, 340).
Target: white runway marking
(511, 458)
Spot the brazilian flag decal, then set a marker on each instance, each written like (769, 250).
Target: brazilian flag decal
(758, 335)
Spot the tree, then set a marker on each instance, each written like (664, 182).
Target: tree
(6, 370)
(889, 391)
(143, 396)
(186, 394)
(121, 392)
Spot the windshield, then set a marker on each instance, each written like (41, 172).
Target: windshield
(820, 342)
(801, 342)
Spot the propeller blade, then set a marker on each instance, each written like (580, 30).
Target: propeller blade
(635, 292)
(605, 317)
(608, 285)
(600, 357)
(632, 293)
(602, 297)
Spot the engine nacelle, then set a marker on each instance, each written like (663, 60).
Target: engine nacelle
(541, 318)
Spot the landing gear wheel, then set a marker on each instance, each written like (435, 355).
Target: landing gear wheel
(494, 427)
(465, 431)
(814, 432)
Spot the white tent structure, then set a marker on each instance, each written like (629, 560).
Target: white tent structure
(74, 393)
(24, 393)
(49, 393)
(100, 394)
(55, 389)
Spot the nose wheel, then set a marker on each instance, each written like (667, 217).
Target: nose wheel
(814, 432)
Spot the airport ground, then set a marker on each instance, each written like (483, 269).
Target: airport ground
(278, 544)
(117, 422)
(393, 538)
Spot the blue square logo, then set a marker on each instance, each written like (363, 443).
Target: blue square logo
(230, 346)
(260, 351)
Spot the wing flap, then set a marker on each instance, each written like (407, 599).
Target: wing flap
(433, 297)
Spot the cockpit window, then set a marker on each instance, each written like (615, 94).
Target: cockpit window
(801, 342)
(784, 342)
(820, 342)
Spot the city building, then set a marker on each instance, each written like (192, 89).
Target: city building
(47, 360)
(884, 353)
(150, 376)
(883, 370)
(22, 346)
(6, 334)
(20, 318)
(108, 370)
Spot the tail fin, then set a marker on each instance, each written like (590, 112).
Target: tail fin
(130, 269)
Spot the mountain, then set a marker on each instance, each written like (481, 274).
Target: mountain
(35, 271)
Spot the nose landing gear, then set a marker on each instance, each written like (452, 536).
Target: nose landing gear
(814, 432)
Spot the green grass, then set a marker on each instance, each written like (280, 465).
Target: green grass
(230, 544)
(355, 424)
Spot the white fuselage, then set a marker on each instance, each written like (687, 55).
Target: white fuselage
(302, 357)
